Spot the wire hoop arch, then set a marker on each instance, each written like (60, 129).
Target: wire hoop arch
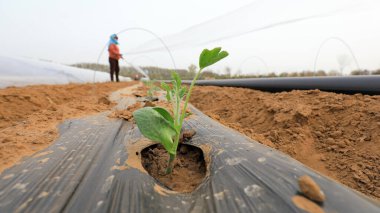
(254, 57)
(342, 42)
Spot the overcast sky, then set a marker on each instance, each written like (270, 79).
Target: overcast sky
(261, 35)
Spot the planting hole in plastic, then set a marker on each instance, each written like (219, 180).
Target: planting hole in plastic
(189, 167)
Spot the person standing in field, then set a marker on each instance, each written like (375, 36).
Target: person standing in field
(114, 56)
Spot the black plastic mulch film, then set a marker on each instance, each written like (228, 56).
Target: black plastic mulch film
(76, 174)
(347, 84)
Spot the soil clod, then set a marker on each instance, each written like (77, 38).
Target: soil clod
(151, 99)
(149, 104)
(103, 100)
(186, 135)
(126, 114)
(310, 189)
(307, 205)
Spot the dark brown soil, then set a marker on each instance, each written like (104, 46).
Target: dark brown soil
(189, 167)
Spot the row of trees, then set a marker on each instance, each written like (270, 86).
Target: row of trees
(159, 73)
(310, 74)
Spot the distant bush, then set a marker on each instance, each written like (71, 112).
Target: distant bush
(154, 72)
(360, 72)
(321, 73)
(159, 73)
(334, 73)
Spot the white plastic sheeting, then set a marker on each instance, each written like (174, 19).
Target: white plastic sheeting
(22, 71)
(272, 36)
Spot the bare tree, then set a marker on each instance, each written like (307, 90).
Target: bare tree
(334, 73)
(192, 69)
(343, 61)
(238, 73)
(228, 71)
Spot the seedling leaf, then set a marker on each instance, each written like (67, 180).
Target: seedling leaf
(167, 89)
(182, 92)
(176, 79)
(155, 127)
(158, 124)
(165, 86)
(165, 114)
(210, 57)
(187, 114)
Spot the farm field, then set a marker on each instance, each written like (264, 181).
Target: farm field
(231, 106)
(334, 134)
(29, 115)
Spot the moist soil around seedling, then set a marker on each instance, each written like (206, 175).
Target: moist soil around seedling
(189, 167)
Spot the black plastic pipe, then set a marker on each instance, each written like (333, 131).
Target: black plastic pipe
(347, 84)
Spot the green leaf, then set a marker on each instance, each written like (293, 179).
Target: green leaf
(155, 88)
(167, 89)
(165, 114)
(182, 92)
(187, 114)
(165, 86)
(168, 96)
(155, 127)
(210, 57)
(177, 80)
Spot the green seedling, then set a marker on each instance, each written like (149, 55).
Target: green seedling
(158, 124)
(152, 88)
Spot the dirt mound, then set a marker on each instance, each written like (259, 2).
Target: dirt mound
(127, 113)
(335, 134)
(29, 115)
